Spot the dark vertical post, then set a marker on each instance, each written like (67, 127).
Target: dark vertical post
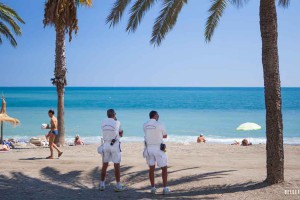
(1, 140)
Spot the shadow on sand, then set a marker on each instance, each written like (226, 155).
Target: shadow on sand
(32, 158)
(76, 185)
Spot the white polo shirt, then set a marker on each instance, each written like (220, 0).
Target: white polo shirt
(154, 132)
(110, 129)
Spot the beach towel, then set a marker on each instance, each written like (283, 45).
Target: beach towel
(9, 144)
(35, 141)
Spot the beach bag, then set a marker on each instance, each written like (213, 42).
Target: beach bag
(145, 152)
(100, 149)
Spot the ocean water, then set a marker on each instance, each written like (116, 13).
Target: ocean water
(186, 112)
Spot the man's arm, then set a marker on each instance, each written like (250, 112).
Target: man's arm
(120, 131)
(164, 132)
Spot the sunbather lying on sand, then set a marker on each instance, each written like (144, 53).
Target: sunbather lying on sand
(244, 143)
(4, 147)
(235, 143)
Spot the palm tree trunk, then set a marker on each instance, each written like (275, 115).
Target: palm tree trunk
(1, 140)
(60, 82)
(274, 126)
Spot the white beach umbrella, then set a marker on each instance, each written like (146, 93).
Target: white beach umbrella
(248, 126)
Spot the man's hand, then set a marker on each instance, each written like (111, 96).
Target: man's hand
(121, 133)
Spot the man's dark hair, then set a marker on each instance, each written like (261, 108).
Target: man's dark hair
(152, 114)
(111, 113)
(51, 111)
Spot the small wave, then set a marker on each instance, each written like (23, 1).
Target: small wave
(188, 139)
(174, 138)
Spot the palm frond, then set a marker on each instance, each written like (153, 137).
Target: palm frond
(11, 12)
(6, 32)
(216, 10)
(62, 14)
(8, 15)
(137, 13)
(8, 19)
(238, 3)
(84, 3)
(116, 12)
(284, 3)
(166, 20)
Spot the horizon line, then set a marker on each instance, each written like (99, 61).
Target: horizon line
(146, 86)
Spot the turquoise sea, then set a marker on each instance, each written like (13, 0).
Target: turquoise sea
(186, 112)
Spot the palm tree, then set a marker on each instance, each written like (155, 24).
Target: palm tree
(8, 15)
(268, 27)
(62, 14)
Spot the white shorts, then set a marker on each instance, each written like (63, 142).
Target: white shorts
(154, 156)
(111, 153)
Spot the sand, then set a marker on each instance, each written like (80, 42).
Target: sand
(196, 171)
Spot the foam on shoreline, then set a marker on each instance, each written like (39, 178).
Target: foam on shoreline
(175, 139)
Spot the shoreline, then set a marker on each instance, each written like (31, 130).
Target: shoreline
(172, 138)
(32, 146)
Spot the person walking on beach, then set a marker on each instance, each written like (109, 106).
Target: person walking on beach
(111, 151)
(52, 134)
(155, 150)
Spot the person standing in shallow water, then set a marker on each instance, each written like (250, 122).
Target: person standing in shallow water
(52, 134)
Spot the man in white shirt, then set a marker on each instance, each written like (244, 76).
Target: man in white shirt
(111, 152)
(154, 134)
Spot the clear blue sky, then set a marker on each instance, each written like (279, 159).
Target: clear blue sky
(99, 56)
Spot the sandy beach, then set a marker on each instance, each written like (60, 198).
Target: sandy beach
(205, 171)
